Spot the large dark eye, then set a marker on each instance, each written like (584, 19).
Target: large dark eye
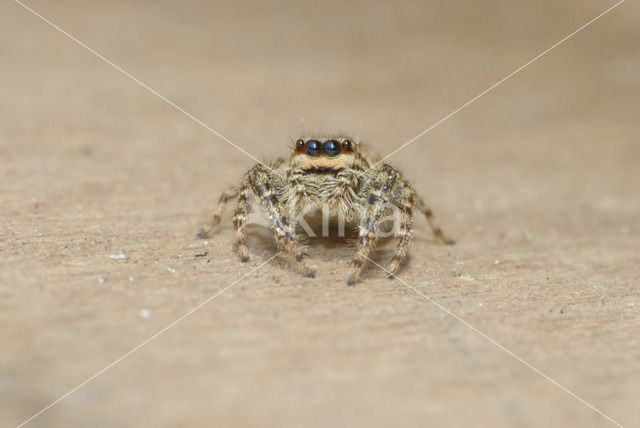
(299, 144)
(346, 144)
(313, 148)
(331, 148)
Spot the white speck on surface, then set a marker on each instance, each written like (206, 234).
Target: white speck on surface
(131, 279)
(145, 313)
(120, 256)
(496, 261)
(480, 304)
(172, 270)
(101, 281)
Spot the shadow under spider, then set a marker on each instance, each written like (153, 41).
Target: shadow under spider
(327, 245)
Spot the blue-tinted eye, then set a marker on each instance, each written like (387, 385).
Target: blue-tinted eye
(332, 148)
(299, 144)
(313, 148)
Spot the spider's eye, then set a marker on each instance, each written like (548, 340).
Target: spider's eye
(332, 148)
(346, 144)
(299, 144)
(313, 148)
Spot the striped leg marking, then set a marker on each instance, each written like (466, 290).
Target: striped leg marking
(345, 183)
(405, 204)
(378, 199)
(435, 227)
(226, 196)
(258, 181)
(243, 209)
(301, 194)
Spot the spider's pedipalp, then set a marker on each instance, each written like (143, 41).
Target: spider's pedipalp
(346, 181)
(299, 197)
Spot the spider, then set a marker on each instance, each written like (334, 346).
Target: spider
(329, 172)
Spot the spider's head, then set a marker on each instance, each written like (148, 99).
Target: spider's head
(324, 154)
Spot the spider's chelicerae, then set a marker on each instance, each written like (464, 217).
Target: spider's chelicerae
(327, 173)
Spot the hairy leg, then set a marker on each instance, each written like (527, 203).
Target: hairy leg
(378, 197)
(226, 196)
(435, 227)
(404, 202)
(259, 181)
(243, 209)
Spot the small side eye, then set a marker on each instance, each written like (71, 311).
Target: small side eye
(313, 148)
(299, 144)
(347, 145)
(332, 148)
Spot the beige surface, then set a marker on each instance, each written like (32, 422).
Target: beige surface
(538, 181)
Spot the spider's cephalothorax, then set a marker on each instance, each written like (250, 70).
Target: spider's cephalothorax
(330, 174)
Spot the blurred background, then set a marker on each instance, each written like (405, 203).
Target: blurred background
(104, 185)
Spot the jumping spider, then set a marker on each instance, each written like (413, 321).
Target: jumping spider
(332, 173)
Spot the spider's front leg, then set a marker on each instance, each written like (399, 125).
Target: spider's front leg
(378, 196)
(264, 183)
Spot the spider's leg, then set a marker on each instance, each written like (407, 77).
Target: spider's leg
(378, 196)
(243, 209)
(259, 180)
(435, 227)
(226, 196)
(405, 202)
